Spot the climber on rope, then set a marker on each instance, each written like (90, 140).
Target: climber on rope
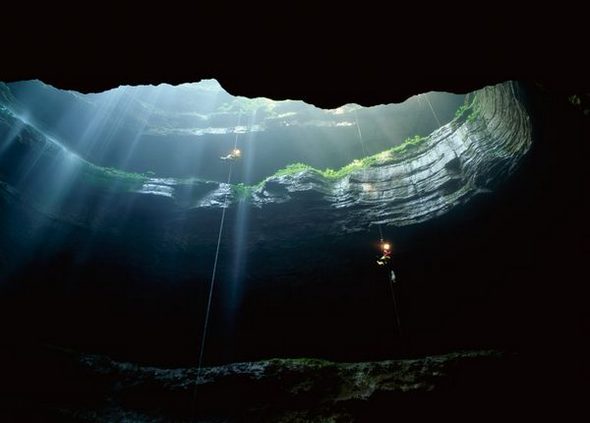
(234, 155)
(392, 278)
(386, 254)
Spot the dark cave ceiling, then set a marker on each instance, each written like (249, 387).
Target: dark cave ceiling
(359, 54)
(368, 60)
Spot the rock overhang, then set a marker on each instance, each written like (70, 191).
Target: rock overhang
(469, 156)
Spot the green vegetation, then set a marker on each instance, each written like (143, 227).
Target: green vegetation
(473, 115)
(292, 169)
(110, 177)
(461, 110)
(385, 157)
(468, 111)
(351, 167)
(409, 144)
(242, 191)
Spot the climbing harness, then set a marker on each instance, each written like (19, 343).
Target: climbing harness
(237, 153)
(385, 253)
(234, 155)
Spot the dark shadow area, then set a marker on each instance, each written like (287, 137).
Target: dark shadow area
(505, 273)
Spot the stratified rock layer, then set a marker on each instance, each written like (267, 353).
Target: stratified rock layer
(467, 157)
(462, 159)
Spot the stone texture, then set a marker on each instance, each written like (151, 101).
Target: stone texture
(462, 159)
(277, 390)
(457, 162)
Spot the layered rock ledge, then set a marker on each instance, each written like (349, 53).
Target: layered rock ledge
(470, 156)
(465, 158)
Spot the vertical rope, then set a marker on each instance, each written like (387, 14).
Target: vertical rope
(395, 305)
(213, 274)
(432, 110)
(358, 128)
(236, 138)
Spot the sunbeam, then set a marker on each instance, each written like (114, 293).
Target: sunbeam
(123, 192)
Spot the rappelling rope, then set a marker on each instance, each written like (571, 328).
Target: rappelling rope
(214, 272)
(389, 278)
(358, 128)
(395, 306)
(391, 289)
(432, 110)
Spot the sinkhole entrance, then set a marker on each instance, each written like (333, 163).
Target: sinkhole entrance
(412, 161)
(182, 131)
(121, 194)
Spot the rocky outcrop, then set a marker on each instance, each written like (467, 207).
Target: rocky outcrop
(73, 233)
(467, 157)
(98, 389)
(456, 163)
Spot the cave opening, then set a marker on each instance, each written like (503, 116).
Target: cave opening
(491, 259)
(113, 200)
(181, 131)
